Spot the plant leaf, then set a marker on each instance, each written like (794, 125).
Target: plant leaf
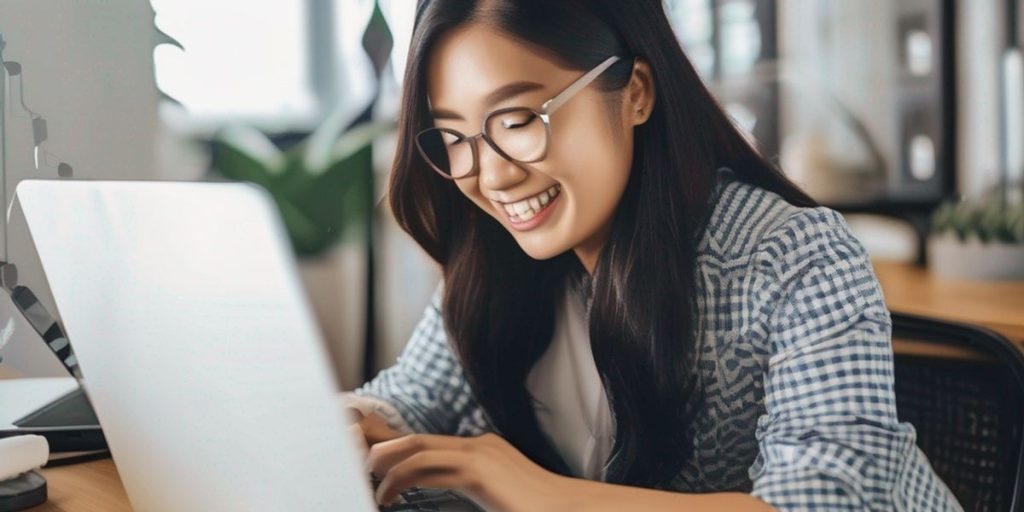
(246, 154)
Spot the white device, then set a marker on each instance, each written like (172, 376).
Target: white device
(197, 346)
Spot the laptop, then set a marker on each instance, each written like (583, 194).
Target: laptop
(53, 407)
(198, 349)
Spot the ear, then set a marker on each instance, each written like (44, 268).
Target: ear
(638, 99)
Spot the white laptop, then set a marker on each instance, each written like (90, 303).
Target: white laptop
(197, 346)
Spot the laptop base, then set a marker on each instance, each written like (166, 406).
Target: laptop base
(68, 423)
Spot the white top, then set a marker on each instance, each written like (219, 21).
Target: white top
(570, 401)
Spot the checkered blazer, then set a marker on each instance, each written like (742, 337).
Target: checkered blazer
(795, 363)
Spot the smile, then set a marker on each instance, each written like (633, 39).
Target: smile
(526, 209)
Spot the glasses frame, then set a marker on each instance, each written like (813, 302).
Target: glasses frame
(546, 109)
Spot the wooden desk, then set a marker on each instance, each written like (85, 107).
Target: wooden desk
(95, 486)
(87, 487)
(997, 305)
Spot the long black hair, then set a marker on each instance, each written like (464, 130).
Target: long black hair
(499, 304)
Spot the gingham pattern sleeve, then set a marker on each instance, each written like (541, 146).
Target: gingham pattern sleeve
(830, 438)
(425, 390)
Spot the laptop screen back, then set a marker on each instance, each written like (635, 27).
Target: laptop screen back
(196, 343)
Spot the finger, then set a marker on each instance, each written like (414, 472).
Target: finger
(376, 430)
(354, 414)
(384, 455)
(355, 432)
(442, 469)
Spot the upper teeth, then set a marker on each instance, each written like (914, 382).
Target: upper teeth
(528, 208)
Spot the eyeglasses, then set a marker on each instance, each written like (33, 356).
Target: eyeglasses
(519, 134)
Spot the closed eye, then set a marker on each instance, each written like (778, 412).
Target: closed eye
(516, 123)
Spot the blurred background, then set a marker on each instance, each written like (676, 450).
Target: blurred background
(907, 116)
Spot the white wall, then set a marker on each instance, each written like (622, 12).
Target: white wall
(980, 32)
(87, 67)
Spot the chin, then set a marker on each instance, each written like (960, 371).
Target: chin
(542, 253)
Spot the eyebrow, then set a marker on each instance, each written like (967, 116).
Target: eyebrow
(502, 93)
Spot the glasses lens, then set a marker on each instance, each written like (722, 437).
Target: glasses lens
(448, 151)
(520, 133)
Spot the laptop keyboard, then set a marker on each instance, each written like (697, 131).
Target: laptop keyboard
(420, 499)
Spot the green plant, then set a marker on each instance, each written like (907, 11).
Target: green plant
(990, 218)
(322, 190)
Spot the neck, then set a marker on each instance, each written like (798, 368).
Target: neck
(590, 249)
(588, 259)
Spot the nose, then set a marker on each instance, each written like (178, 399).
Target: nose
(497, 172)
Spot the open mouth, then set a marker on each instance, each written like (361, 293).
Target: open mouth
(527, 209)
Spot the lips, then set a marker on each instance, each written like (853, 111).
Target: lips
(526, 209)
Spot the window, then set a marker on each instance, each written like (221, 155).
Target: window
(242, 61)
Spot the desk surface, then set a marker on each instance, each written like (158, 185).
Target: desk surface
(87, 487)
(95, 486)
(996, 305)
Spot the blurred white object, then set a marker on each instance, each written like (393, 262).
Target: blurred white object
(919, 52)
(21, 454)
(884, 238)
(6, 334)
(972, 259)
(86, 68)
(1013, 109)
(199, 350)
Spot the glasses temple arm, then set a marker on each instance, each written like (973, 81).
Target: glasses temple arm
(552, 105)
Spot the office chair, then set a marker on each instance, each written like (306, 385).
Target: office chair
(962, 387)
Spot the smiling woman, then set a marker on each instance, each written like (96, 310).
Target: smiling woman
(511, 189)
(632, 295)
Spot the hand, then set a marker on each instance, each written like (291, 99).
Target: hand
(371, 429)
(486, 469)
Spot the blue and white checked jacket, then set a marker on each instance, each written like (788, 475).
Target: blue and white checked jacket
(796, 362)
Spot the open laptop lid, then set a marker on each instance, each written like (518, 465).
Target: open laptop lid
(196, 343)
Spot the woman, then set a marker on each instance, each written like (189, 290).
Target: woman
(638, 312)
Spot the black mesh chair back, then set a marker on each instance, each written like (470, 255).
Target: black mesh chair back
(962, 387)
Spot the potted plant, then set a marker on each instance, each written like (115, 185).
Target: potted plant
(981, 238)
(323, 188)
(322, 193)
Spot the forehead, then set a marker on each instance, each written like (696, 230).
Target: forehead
(470, 61)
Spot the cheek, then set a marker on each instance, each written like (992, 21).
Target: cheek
(471, 189)
(593, 167)
(596, 167)
(465, 187)
(595, 192)
(594, 144)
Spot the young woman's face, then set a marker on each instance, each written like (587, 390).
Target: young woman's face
(573, 192)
